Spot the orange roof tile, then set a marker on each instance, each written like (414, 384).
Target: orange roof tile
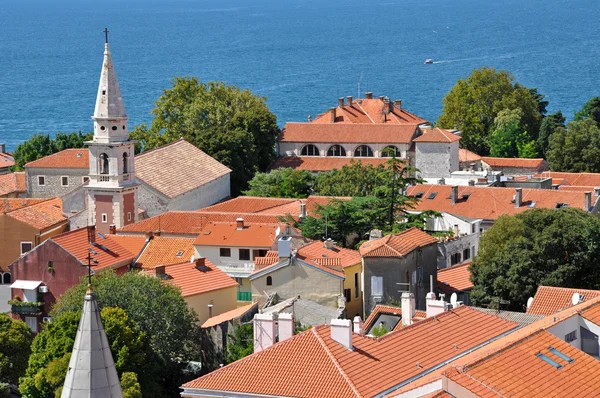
(10, 205)
(114, 250)
(12, 182)
(370, 368)
(489, 203)
(193, 280)
(388, 309)
(455, 279)
(74, 158)
(229, 315)
(317, 253)
(188, 168)
(162, 250)
(6, 160)
(464, 155)
(437, 135)
(315, 163)
(538, 164)
(252, 204)
(574, 188)
(577, 179)
(550, 299)
(227, 234)
(349, 133)
(271, 258)
(397, 245)
(41, 215)
(370, 110)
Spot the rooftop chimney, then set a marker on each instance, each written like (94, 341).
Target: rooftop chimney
(284, 247)
(149, 235)
(471, 183)
(454, 195)
(350, 100)
(210, 307)
(329, 244)
(381, 97)
(518, 197)
(390, 106)
(408, 308)
(398, 104)
(302, 210)
(456, 231)
(239, 224)
(341, 102)
(2, 148)
(597, 191)
(264, 331)
(433, 306)
(588, 201)
(200, 262)
(358, 325)
(441, 181)
(341, 332)
(332, 112)
(369, 95)
(112, 229)
(286, 326)
(159, 271)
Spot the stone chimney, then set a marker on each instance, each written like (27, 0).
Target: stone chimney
(341, 102)
(408, 308)
(329, 244)
(302, 210)
(264, 331)
(333, 115)
(286, 326)
(390, 106)
(358, 325)
(112, 229)
(597, 191)
(456, 231)
(454, 195)
(588, 201)
(375, 234)
(518, 197)
(350, 100)
(160, 271)
(341, 332)
(398, 104)
(369, 95)
(239, 224)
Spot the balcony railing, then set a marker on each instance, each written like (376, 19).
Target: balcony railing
(244, 296)
(27, 308)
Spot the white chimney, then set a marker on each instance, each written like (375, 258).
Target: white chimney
(588, 201)
(284, 247)
(286, 326)
(239, 224)
(264, 331)
(434, 307)
(341, 331)
(408, 308)
(329, 244)
(358, 325)
(302, 210)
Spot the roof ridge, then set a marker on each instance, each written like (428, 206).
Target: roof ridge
(455, 266)
(164, 146)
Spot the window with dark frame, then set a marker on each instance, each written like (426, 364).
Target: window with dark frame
(269, 281)
(356, 286)
(41, 181)
(244, 254)
(348, 294)
(225, 252)
(26, 246)
(64, 181)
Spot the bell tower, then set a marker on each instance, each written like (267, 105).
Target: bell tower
(112, 189)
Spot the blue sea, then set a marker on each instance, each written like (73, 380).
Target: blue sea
(300, 54)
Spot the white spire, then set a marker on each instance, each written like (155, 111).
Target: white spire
(109, 103)
(92, 372)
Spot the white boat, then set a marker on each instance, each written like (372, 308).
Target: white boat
(428, 61)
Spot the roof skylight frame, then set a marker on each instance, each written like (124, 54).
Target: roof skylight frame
(559, 354)
(548, 360)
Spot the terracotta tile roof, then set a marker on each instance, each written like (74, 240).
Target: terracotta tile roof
(397, 245)
(577, 179)
(188, 168)
(252, 204)
(74, 158)
(13, 182)
(271, 258)
(314, 163)
(489, 203)
(41, 215)
(227, 234)
(194, 280)
(370, 368)
(464, 155)
(162, 250)
(330, 134)
(118, 249)
(574, 188)
(388, 309)
(438, 394)
(312, 202)
(538, 164)
(10, 205)
(230, 315)
(549, 299)
(517, 371)
(437, 135)
(369, 110)
(317, 253)
(6, 160)
(455, 279)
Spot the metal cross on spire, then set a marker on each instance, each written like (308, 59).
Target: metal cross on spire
(106, 34)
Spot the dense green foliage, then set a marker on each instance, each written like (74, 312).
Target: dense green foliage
(379, 330)
(240, 343)
(591, 110)
(232, 125)
(550, 125)
(41, 145)
(575, 148)
(473, 104)
(281, 183)
(158, 311)
(508, 140)
(130, 386)
(15, 346)
(556, 247)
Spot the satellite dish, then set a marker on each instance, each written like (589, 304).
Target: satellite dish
(529, 302)
(453, 299)
(576, 299)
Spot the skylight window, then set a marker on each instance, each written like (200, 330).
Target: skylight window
(548, 360)
(432, 195)
(419, 195)
(560, 355)
(532, 204)
(466, 196)
(562, 205)
(179, 253)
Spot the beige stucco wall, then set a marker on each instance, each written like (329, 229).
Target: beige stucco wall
(223, 300)
(354, 306)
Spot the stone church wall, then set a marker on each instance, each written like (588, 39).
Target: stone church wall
(53, 185)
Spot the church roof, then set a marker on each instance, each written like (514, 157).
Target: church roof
(74, 158)
(109, 102)
(92, 371)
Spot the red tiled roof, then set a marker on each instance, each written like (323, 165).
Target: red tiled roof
(118, 249)
(369, 110)
(6, 160)
(489, 203)
(162, 250)
(12, 182)
(317, 253)
(388, 309)
(397, 245)
(372, 367)
(252, 204)
(464, 155)
(74, 158)
(437, 135)
(538, 164)
(574, 188)
(455, 279)
(349, 133)
(186, 168)
(192, 280)
(229, 315)
(550, 299)
(10, 205)
(315, 163)
(577, 179)
(271, 258)
(41, 215)
(227, 234)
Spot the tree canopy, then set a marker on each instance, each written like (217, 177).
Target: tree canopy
(473, 104)
(550, 125)
(281, 183)
(41, 145)
(508, 140)
(591, 110)
(15, 346)
(556, 247)
(232, 125)
(575, 148)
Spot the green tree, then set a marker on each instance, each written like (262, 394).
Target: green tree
(550, 125)
(591, 110)
(240, 343)
(15, 346)
(379, 330)
(575, 148)
(473, 104)
(130, 386)
(357, 179)
(232, 125)
(41, 145)
(281, 183)
(555, 247)
(508, 140)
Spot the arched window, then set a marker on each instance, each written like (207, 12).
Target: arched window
(336, 150)
(363, 151)
(103, 163)
(310, 150)
(269, 281)
(125, 162)
(6, 278)
(390, 150)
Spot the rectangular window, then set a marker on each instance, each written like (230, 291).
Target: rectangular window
(377, 286)
(466, 254)
(348, 295)
(41, 181)
(244, 254)
(32, 322)
(128, 216)
(472, 228)
(64, 181)
(26, 246)
(225, 252)
(356, 285)
(104, 218)
(571, 336)
(455, 259)
(85, 179)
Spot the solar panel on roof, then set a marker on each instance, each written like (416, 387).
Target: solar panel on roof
(548, 360)
(560, 354)
(432, 195)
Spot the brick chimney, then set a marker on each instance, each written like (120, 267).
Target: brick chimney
(357, 324)
(264, 331)
(369, 95)
(518, 197)
(286, 326)
(341, 332)
(333, 115)
(239, 224)
(341, 102)
(398, 104)
(588, 201)
(408, 308)
(350, 100)
(112, 229)
(159, 271)
(454, 195)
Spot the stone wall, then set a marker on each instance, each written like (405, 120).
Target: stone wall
(436, 159)
(295, 148)
(457, 245)
(53, 181)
